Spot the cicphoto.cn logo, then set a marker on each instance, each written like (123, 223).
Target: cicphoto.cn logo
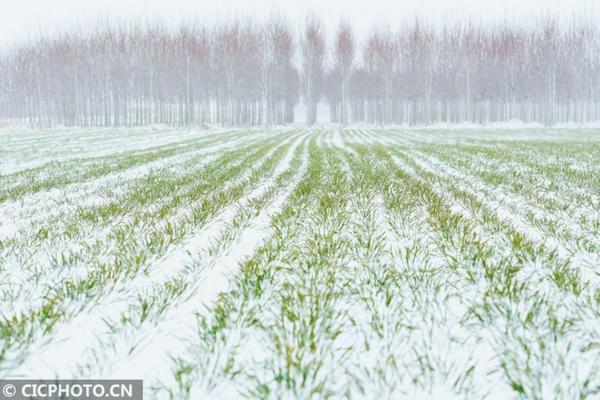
(18, 389)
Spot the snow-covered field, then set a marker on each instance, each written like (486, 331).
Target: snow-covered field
(290, 263)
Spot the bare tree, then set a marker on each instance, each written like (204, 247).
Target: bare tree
(313, 58)
(250, 73)
(343, 53)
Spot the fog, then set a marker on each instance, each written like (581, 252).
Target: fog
(28, 18)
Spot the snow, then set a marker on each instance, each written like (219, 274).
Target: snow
(414, 321)
(77, 337)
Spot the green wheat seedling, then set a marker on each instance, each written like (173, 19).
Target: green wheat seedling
(280, 263)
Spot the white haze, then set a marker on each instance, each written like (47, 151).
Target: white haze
(26, 18)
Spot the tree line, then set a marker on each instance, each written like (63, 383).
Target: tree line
(254, 73)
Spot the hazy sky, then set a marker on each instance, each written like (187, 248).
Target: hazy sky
(20, 17)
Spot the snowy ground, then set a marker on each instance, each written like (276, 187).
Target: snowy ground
(281, 263)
